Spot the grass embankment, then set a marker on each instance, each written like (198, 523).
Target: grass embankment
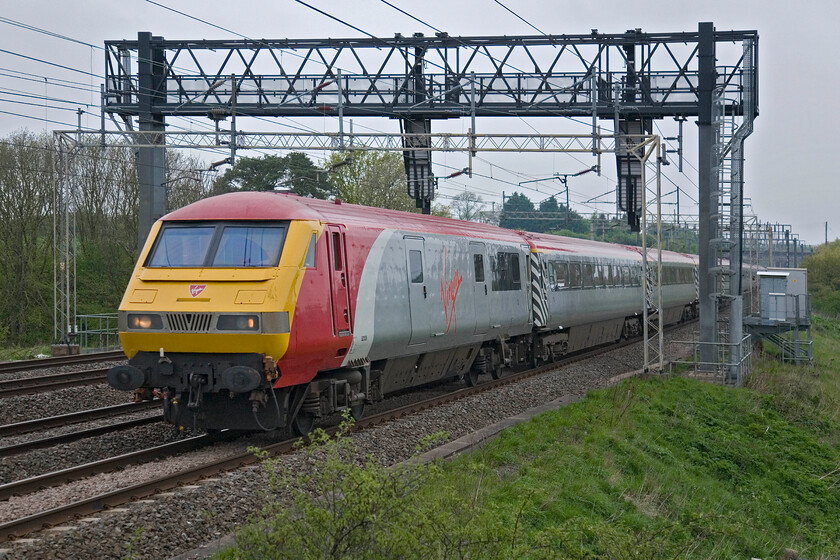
(23, 353)
(657, 468)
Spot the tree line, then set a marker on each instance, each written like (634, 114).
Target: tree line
(103, 207)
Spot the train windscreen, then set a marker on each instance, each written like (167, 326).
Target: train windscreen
(217, 245)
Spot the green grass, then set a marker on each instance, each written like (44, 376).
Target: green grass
(23, 353)
(675, 468)
(655, 468)
(663, 468)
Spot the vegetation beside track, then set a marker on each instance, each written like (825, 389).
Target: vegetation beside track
(23, 352)
(655, 468)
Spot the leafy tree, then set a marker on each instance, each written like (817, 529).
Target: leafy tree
(294, 170)
(302, 175)
(517, 212)
(371, 179)
(824, 277)
(468, 206)
(551, 215)
(103, 205)
(106, 206)
(26, 207)
(441, 210)
(186, 180)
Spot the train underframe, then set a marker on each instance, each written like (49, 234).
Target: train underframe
(234, 391)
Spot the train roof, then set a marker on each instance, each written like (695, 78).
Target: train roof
(250, 205)
(548, 243)
(282, 206)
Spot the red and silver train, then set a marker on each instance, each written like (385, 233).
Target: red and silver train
(262, 310)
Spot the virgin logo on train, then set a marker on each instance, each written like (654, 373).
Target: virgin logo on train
(449, 292)
(196, 289)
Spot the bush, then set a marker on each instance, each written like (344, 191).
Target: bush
(824, 278)
(350, 506)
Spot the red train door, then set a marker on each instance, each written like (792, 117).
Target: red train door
(338, 281)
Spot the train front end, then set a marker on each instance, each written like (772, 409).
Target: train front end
(207, 314)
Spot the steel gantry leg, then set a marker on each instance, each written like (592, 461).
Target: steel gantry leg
(708, 202)
(151, 155)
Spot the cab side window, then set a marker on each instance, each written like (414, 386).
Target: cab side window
(309, 260)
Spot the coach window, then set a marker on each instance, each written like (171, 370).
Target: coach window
(574, 275)
(478, 263)
(309, 261)
(415, 262)
(559, 276)
(588, 275)
(506, 276)
(514, 269)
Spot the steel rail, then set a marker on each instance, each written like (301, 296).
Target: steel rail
(75, 418)
(25, 365)
(31, 385)
(47, 480)
(141, 490)
(27, 446)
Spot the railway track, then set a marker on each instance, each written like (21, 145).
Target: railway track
(31, 385)
(63, 476)
(52, 441)
(145, 489)
(25, 365)
(74, 418)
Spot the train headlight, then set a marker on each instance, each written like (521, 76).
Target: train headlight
(238, 323)
(144, 321)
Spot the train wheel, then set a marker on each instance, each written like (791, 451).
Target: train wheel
(357, 411)
(303, 423)
(471, 377)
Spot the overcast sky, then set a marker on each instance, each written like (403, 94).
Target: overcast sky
(791, 167)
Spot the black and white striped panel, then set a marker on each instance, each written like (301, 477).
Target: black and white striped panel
(538, 291)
